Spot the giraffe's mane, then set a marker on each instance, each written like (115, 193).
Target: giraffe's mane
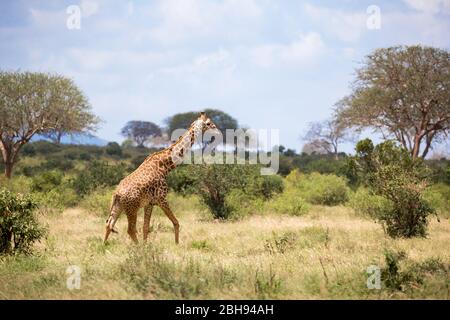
(171, 146)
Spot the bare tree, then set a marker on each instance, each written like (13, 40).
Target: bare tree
(402, 93)
(327, 136)
(37, 103)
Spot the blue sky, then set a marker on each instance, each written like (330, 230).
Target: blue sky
(270, 64)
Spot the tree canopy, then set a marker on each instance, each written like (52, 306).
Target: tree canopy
(39, 103)
(141, 131)
(402, 92)
(221, 119)
(326, 137)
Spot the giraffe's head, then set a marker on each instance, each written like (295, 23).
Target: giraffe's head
(206, 122)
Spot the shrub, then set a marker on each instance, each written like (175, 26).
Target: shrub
(56, 200)
(365, 203)
(45, 147)
(98, 202)
(316, 188)
(438, 195)
(240, 204)
(290, 202)
(216, 182)
(391, 173)
(46, 181)
(85, 156)
(17, 184)
(267, 186)
(28, 150)
(324, 189)
(113, 149)
(19, 228)
(60, 163)
(182, 180)
(411, 275)
(97, 174)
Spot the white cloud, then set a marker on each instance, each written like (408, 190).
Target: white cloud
(89, 7)
(305, 49)
(430, 6)
(347, 26)
(182, 20)
(48, 19)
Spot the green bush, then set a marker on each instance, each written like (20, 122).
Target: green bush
(182, 180)
(438, 195)
(56, 200)
(98, 202)
(240, 204)
(365, 203)
(390, 172)
(19, 228)
(97, 174)
(266, 186)
(216, 182)
(400, 274)
(113, 149)
(17, 184)
(46, 181)
(322, 189)
(45, 147)
(57, 162)
(290, 202)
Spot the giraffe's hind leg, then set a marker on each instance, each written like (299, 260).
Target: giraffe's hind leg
(165, 207)
(147, 215)
(132, 217)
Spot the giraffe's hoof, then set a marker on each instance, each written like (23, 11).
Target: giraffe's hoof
(114, 231)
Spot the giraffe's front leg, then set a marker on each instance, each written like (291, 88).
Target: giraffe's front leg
(147, 215)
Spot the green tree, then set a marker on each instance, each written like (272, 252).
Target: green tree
(19, 227)
(402, 92)
(390, 172)
(38, 103)
(221, 119)
(140, 131)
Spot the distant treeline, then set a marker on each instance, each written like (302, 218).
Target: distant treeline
(65, 156)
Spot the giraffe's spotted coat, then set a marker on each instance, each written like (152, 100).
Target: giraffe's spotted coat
(147, 185)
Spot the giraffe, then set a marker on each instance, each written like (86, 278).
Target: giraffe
(147, 185)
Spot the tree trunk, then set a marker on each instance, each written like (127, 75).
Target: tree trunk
(8, 170)
(416, 148)
(8, 159)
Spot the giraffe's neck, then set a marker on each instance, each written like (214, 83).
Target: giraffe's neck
(174, 154)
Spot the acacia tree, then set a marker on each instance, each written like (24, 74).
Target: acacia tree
(38, 103)
(221, 119)
(402, 92)
(141, 131)
(183, 120)
(326, 136)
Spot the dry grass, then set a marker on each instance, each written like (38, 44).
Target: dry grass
(322, 255)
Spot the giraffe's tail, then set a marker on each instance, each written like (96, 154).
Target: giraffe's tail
(113, 214)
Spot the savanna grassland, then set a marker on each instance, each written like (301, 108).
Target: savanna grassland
(282, 245)
(321, 255)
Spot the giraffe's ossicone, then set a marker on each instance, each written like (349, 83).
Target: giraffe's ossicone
(147, 185)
